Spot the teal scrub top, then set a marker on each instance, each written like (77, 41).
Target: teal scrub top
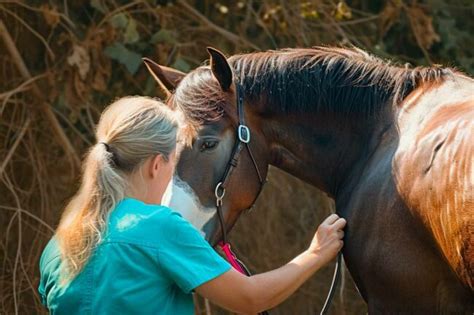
(149, 262)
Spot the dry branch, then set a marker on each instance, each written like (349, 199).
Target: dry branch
(229, 35)
(15, 145)
(67, 146)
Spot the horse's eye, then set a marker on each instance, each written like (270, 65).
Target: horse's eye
(208, 145)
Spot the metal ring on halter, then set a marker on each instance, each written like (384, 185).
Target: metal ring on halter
(219, 197)
(243, 133)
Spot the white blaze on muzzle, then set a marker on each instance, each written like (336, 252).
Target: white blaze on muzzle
(180, 197)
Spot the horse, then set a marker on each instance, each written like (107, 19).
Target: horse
(391, 144)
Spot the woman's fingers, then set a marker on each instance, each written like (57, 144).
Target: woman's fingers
(331, 219)
(335, 222)
(339, 224)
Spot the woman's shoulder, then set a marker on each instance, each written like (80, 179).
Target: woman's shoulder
(50, 254)
(133, 219)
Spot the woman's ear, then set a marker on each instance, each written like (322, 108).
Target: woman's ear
(156, 163)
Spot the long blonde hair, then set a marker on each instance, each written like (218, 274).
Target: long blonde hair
(130, 130)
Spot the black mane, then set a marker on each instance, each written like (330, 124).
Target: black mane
(348, 81)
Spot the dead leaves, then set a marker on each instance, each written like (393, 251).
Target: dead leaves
(420, 21)
(80, 59)
(342, 11)
(389, 16)
(89, 69)
(51, 15)
(422, 27)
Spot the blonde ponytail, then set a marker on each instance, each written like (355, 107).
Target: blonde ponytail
(130, 130)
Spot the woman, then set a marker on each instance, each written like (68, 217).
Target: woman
(117, 251)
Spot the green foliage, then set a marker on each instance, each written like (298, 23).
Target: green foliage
(164, 36)
(127, 25)
(125, 56)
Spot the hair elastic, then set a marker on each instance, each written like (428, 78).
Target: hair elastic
(107, 146)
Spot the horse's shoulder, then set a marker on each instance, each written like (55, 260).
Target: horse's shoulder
(433, 171)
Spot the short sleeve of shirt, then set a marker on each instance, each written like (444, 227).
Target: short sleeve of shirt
(186, 257)
(49, 267)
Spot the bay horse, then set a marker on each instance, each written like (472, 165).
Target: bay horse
(393, 145)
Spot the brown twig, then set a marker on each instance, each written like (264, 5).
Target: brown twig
(229, 35)
(33, 31)
(12, 150)
(35, 217)
(264, 27)
(20, 88)
(18, 60)
(117, 10)
(29, 7)
(412, 20)
(17, 216)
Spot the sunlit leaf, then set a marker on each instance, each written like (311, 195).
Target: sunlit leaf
(99, 6)
(119, 20)
(165, 36)
(80, 59)
(342, 11)
(130, 59)
(131, 34)
(51, 15)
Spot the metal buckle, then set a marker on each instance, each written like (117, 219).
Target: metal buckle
(220, 196)
(244, 133)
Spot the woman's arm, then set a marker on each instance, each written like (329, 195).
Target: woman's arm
(254, 294)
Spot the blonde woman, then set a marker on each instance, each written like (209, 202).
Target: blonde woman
(117, 251)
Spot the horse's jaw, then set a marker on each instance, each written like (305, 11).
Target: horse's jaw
(180, 197)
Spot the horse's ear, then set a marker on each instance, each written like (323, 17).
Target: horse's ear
(167, 78)
(220, 68)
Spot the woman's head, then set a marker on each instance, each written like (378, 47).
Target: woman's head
(136, 140)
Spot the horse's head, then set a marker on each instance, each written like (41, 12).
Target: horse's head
(206, 98)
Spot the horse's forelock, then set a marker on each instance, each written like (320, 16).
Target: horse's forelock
(199, 97)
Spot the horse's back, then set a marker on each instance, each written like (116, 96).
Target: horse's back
(433, 167)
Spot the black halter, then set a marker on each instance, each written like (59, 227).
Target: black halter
(243, 139)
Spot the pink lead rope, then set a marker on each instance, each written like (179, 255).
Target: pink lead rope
(231, 258)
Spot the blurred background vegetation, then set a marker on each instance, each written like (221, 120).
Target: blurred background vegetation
(62, 62)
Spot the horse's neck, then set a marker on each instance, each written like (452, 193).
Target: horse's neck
(323, 149)
(321, 118)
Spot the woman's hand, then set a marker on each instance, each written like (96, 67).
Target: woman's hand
(250, 295)
(327, 240)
